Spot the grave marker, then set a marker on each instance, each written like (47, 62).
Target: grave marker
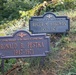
(49, 23)
(23, 44)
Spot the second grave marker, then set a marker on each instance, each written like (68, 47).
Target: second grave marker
(49, 23)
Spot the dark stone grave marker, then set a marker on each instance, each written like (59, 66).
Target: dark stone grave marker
(49, 23)
(22, 44)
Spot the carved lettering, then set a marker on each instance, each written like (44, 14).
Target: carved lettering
(35, 44)
(27, 52)
(17, 52)
(53, 23)
(30, 51)
(8, 46)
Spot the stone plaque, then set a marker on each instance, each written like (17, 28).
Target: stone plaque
(23, 44)
(49, 23)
